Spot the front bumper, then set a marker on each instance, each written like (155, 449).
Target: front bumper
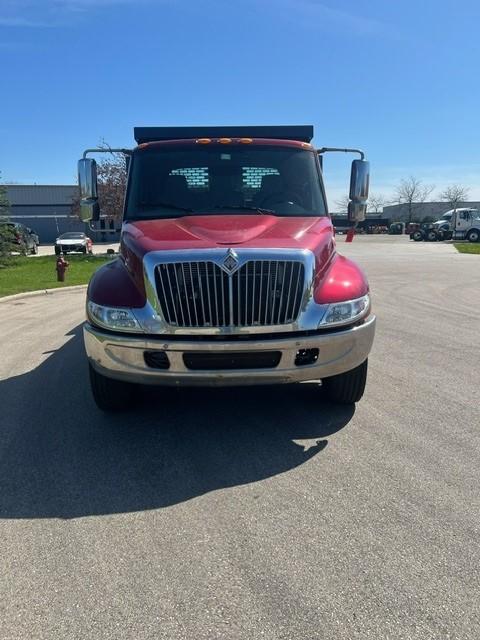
(72, 248)
(121, 356)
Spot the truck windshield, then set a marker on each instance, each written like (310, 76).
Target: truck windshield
(168, 182)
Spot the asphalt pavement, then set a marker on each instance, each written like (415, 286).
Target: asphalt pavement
(254, 512)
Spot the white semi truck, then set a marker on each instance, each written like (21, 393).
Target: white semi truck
(464, 223)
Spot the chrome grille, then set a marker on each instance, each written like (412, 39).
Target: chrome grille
(202, 294)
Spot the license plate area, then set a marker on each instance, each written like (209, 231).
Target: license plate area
(230, 360)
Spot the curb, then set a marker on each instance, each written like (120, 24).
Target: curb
(41, 292)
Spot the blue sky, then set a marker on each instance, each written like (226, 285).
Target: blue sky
(397, 79)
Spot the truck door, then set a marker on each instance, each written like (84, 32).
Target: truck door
(462, 222)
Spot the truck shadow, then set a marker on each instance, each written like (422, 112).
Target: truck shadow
(62, 458)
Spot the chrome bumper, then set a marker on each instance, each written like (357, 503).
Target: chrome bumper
(121, 356)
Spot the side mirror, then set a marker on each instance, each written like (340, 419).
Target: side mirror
(359, 184)
(359, 180)
(356, 212)
(87, 181)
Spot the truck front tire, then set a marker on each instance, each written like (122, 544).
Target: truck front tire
(348, 387)
(109, 394)
(473, 235)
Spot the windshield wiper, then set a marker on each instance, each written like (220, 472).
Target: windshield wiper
(260, 210)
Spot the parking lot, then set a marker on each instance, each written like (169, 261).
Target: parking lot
(253, 512)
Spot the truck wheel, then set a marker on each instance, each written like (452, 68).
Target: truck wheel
(348, 387)
(473, 235)
(417, 236)
(34, 250)
(432, 236)
(111, 395)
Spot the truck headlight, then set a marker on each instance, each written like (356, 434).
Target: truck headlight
(112, 318)
(340, 313)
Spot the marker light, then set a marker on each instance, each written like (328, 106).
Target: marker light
(246, 140)
(224, 140)
(203, 140)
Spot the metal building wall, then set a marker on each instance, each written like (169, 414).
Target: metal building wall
(421, 210)
(48, 210)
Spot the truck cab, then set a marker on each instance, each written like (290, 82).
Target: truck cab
(228, 272)
(465, 224)
(445, 222)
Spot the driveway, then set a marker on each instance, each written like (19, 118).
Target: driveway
(250, 513)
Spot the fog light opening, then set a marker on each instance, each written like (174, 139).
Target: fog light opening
(305, 357)
(156, 359)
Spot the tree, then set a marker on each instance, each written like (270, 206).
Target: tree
(342, 204)
(413, 193)
(6, 232)
(4, 204)
(455, 195)
(376, 202)
(112, 182)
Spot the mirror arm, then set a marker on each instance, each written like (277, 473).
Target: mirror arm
(94, 229)
(328, 149)
(127, 152)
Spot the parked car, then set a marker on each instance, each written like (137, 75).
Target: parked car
(73, 241)
(23, 238)
(34, 236)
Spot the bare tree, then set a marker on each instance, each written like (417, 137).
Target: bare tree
(413, 193)
(376, 202)
(454, 195)
(112, 182)
(342, 204)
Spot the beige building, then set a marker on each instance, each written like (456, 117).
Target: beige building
(421, 210)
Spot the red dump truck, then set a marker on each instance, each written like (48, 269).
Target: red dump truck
(228, 272)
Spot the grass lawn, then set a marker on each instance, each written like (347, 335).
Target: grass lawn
(30, 274)
(467, 247)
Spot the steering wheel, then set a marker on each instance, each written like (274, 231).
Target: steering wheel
(290, 197)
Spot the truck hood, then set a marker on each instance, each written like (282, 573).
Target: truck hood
(123, 285)
(206, 232)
